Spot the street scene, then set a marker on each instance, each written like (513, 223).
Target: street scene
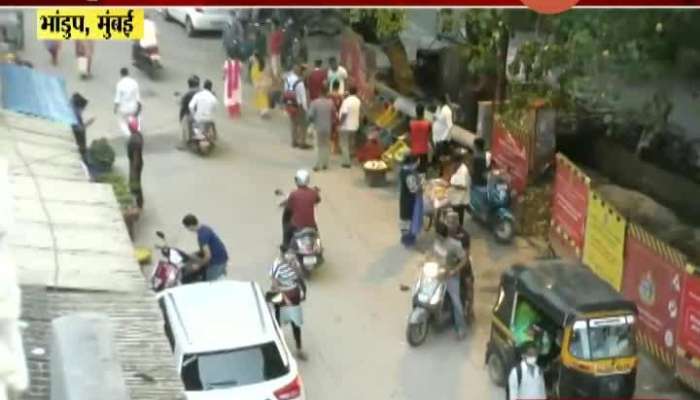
(347, 172)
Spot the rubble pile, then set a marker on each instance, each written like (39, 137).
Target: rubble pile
(532, 210)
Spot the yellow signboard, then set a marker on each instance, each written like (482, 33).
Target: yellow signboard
(604, 246)
(89, 23)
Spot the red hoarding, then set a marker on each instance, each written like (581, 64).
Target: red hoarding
(510, 155)
(569, 204)
(653, 278)
(689, 324)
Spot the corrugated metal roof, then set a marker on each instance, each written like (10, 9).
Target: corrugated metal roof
(28, 91)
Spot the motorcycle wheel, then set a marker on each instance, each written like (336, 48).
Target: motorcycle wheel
(417, 333)
(204, 149)
(504, 230)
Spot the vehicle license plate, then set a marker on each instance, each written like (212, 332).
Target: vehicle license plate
(309, 260)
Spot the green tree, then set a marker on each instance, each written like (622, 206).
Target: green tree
(386, 24)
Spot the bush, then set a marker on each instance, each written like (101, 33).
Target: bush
(120, 187)
(101, 155)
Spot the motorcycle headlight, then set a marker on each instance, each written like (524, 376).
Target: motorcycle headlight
(431, 269)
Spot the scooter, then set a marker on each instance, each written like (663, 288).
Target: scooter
(174, 267)
(491, 204)
(147, 59)
(202, 138)
(431, 303)
(306, 243)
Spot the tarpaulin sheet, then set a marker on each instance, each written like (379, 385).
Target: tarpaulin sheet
(28, 91)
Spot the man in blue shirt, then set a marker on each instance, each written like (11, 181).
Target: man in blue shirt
(214, 256)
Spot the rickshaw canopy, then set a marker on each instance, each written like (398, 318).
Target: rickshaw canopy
(564, 290)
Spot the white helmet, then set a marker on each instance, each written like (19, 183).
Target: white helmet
(302, 177)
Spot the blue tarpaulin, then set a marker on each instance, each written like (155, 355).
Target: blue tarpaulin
(28, 91)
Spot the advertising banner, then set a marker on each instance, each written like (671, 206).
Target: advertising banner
(688, 334)
(510, 155)
(569, 206)
(604, 242)
(653, 278)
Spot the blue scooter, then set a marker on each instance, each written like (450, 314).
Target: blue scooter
(490, 205)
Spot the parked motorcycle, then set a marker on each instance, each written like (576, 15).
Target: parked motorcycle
(169, 270)
(202, 138)
(491, 205)
(431, 303)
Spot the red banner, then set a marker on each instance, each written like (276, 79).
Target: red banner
(653, 278)
(510, 155)
(569, 205)
(689, 324)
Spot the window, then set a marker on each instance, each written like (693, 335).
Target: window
(230, 368)
(504, 305)
(603, 338)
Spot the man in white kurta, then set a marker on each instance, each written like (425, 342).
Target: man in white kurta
(127, 101)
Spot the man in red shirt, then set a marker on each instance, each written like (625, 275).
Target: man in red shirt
(274, 47)
(419, 136)
(316, 81)
(301, 203)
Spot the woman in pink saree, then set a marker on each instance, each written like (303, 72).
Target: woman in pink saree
(233, 95)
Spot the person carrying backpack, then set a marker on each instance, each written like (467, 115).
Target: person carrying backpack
(526, 379)
(296, 105)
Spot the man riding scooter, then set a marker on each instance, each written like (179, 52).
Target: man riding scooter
(452, 255)
(457, 231)
(301, 206)
(185, 117)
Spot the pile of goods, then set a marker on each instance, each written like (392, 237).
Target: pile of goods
(375, 172)
(435, 194)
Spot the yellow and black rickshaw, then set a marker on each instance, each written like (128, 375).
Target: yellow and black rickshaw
(583, 328)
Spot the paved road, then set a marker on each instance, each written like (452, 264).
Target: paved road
(356, 313)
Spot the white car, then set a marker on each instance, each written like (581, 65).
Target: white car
(227, 343)
(198, 19)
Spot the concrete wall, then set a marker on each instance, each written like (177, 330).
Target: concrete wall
(84, 363)
(625, 169)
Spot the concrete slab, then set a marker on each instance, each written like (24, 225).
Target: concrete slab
(107, 272)
(31, 234)
(35, 266)
(84, 214)
(109, 239)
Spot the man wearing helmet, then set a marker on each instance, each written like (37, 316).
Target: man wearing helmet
(301, 205)
(185, 119)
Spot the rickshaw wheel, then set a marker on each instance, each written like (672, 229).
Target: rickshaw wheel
(496, 369)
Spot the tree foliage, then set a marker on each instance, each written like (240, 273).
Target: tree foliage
(387, 22)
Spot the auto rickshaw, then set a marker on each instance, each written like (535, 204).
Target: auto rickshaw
(583, 328)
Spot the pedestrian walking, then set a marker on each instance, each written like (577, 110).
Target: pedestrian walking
(134, 151)
(214, 256)
(127, 101)
(296, 106)
(54, 47)
(287, 280)
(526, 380)
(79, 103)
(84, 51)
(274, 47)
(321, 112)
(419, 137)
(336, 73)
(262, 81)
(316, 81)
(460, 184)
(337, 98)
(349, 125)
(233, 93)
